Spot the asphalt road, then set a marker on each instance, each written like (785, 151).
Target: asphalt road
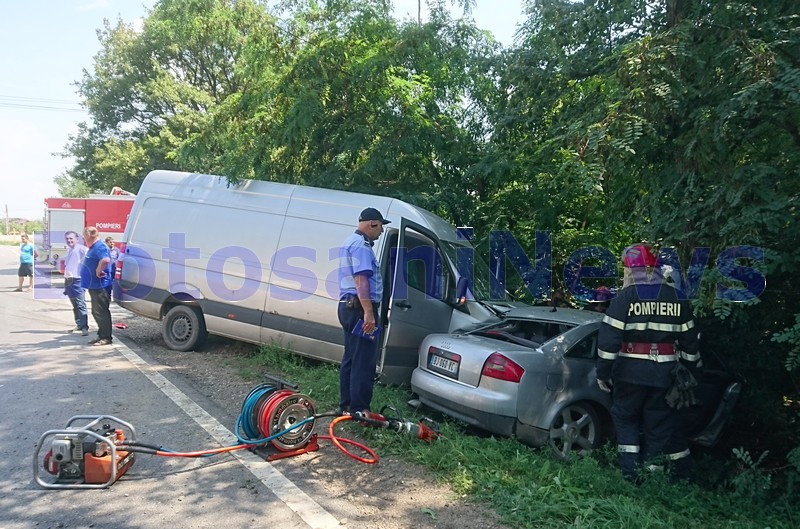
(48, 376)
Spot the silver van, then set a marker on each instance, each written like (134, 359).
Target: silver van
(257, 261)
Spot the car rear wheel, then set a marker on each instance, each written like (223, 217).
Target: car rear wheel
(184, 329)
(575, 430)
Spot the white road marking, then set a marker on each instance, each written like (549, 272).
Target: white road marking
(298, 501)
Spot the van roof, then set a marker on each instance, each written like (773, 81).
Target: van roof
(315, 203)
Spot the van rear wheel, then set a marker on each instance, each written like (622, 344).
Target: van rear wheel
(184, 328)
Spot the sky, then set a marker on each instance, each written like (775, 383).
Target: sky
(46, 46)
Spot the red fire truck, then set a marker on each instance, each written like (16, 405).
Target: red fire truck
(107, 213)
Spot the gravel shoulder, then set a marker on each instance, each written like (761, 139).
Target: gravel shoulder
(391, 494)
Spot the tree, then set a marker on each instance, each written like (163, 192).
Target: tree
(71, 187)
(365, 104)
(719, 89)
(673, 122)
(149, 91)
(560, 135)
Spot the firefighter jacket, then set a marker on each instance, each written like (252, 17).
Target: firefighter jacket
(646, 329)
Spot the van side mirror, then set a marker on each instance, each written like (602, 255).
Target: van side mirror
(461, 291)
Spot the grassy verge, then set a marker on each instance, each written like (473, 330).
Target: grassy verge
(528, 488)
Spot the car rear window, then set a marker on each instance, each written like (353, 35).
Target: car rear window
(525, 332)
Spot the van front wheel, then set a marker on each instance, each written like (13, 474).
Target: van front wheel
(184, 329)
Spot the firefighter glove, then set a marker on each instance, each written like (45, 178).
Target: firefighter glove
(681, 394)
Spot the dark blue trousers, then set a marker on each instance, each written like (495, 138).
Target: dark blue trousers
(641, 410)
(73, 290)
(357, 372)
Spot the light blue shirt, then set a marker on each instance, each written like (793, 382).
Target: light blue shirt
(356, 257)
(26, 252)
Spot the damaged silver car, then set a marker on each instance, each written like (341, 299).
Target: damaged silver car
(531, 375)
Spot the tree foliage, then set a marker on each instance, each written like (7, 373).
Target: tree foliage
(149, 91)
(365, 104)
(679, 125)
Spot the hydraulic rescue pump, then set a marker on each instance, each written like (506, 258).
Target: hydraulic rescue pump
(84, 456)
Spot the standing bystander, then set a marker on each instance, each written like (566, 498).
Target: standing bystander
(27, 253)
(95, 277)
(72, 282)
(114, 254)
(360, 293)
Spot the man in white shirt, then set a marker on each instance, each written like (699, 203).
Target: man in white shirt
(72, 282)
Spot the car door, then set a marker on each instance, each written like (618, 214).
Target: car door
(421, 282)
(717, 393)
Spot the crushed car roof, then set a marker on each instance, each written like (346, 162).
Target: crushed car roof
(545, 313)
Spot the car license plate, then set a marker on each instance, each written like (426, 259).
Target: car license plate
(441, 364)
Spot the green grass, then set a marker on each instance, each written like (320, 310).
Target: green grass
(527, 487)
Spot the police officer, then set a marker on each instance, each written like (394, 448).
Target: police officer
(360, 292)
(648, 327)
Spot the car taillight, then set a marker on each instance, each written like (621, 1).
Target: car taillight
(502, 368)
(118, 273)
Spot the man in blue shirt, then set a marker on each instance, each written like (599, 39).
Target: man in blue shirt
(27, 253)
(360, 293)
(96, 277)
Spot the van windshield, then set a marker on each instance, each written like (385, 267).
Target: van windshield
(465, 258)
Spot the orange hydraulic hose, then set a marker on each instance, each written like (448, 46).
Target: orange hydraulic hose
(338, 442)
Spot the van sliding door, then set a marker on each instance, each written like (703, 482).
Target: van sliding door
(421, 283)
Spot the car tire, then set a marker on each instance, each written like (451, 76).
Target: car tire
(575, 429)
(184, 328)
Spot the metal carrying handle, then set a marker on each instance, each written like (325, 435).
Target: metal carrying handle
(95, 419)
(281, 383)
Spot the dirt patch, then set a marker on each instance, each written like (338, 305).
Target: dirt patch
(391, 495)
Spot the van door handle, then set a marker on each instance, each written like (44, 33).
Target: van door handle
(405, 305)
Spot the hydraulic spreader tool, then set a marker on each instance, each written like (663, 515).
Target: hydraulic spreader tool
(94, 451)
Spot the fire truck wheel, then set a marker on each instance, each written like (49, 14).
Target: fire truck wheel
(184, 329)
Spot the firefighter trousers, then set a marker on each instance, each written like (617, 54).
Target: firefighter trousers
(641, 413)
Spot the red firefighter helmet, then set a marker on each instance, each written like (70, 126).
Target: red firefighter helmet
(637, 256)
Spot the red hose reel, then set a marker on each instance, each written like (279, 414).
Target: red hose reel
(272, 415)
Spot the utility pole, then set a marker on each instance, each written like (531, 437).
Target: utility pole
(6, 219)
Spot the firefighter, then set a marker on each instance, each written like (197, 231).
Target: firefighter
(647, 330)
(601, 299)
